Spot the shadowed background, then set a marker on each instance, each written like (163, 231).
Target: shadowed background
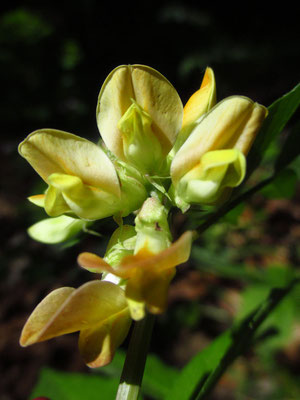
(53, 61)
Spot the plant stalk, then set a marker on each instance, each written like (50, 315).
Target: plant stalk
(133, 369)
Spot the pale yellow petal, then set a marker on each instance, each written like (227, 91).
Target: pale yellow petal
(85, 201)
(155, 94)
(114, 99)
(152, 91)
(37, 199)
(217, 170)
(51, 151)
(232, 123)
(54, 203)
(56, 230)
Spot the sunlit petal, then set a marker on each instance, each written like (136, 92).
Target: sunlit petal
(51, 151)
(152, 92)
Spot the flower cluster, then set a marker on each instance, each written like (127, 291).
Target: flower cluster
(155, 154)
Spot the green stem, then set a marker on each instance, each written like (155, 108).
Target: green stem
(133, 370)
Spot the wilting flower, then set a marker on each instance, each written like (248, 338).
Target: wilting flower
(147, 272)
(81, 178)
(139, 115)
(97, 309)
(212, 159)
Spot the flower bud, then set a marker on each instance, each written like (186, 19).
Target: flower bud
(213, 156)
(151, 224)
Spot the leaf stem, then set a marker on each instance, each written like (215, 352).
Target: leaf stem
(133, 370)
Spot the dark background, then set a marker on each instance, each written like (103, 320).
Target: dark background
(53, 61)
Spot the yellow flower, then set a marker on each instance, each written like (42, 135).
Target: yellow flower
(197, 105)
(97, 309)
(139, 115)
(146, 265)
(212, 159)
(81, 179)
(147, 274)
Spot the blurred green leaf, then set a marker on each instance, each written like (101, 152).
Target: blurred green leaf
(283, 186)
(158, 377)
(59, 385)
(201, 374)
(21, 25)
(290, 149)
(280, 113)
(219, 263)
(281, 320)
(196, 371)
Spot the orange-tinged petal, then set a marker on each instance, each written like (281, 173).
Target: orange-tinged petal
(202, 100)
(174, 255)
(98, 345)
(93, 263)
(148, 288)
(148, 275)
(42, 314)
(68, 310)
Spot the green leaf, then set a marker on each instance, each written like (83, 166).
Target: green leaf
(281, 319)
(290, 149)
(283, 186)
(202, 373)
(158, 377)
(212, 262)
(280, 113)
(59, 385)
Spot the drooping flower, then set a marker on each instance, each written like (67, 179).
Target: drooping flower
(147, 272)
(97, 309)
(139, 115)
(81, 178)
(212, 160)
